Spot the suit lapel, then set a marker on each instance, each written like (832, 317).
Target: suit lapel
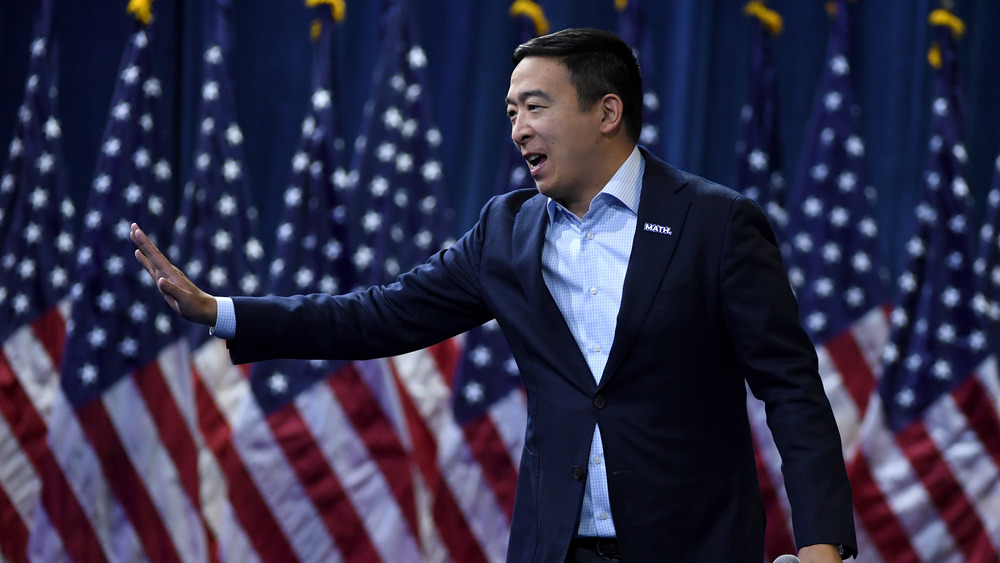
(663, 205)
(528, 238)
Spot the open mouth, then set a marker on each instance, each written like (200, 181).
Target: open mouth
(534, 160)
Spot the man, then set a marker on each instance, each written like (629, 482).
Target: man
(636, 298)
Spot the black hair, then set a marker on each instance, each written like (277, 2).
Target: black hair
(599, 63)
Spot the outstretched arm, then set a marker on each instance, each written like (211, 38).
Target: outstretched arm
(180, 293)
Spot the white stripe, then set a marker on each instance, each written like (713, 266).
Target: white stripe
(47, 551)
(377, 376)
(510, 417)
(17, 475)
(78, 463)
(475, 498)
(140, 438)
(903, 491)
(231, 539)
(363, 482)
(33, 368)
(262, 456)
(990, 380)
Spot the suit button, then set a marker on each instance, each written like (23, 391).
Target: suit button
(600, 401)
(577, 472)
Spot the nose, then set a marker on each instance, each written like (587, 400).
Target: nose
(520, 132)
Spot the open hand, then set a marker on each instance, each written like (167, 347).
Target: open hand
(180, 293)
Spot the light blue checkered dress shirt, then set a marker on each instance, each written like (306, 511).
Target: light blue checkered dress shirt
(583, 263)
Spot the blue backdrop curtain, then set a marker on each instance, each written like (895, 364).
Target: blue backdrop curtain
(699, 69)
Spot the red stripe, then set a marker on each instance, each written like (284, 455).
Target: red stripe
(448, 518)
(777, 537)
(14, 545)
(58, 499)
(945, 492)
(481, 435)
(878, 518)
(50, 330)
(321, 484)
(122, 478)
(853, 368)
(975, 401)
(379, 436)
(248, 505)
(446, 356)
(491, 453)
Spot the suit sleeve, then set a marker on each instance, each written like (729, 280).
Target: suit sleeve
(433, 302)
(780, 365)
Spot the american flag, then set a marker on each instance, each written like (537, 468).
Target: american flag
(120, 464)
(632, 29)
(927, 475)
(758, 151)
(832, 246)
(987, 266)
(36, 257)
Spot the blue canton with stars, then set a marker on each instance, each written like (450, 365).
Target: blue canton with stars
(310, 237)
(936, 340)
(832, 229)
(758, 152)
(400, 208)
(36, 214)
(214, 231)
(119, 322)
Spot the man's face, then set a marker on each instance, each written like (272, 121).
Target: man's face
(559, 141)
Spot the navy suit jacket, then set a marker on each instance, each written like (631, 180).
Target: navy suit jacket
(706, 307)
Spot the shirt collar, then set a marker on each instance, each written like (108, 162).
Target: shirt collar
(625, 186)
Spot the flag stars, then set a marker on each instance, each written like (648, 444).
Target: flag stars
(52, 129)
(222, 241)
(137, 312)
(816, 321)
(868, 228)
(213, 55)
(162, 170)
(254, 250)
(233, 135)
(951, 297)
(941, 370)
(210, 91)
(141, 158)
(482, 356)
(812, 207)
(392, 118)
(121, 111)
(803, 242)
(130, 75)
(151, 87)
(32, 233)
(371, 221)
(303, 277)
(946, 333)
(162, 324)
(416, 57)
(473, 392)
(278, 383)
(39, 198)
(21, 304)
(757, 160)
(861, 262)
(88, 374)
(940, 107)
(133, 193)
(97, 337)
(839, 217)
(300, 161)
(831, 253)
(112, 147)
(907, 282)
(26, 269)
(413, 92)
(321, 99)
(839, 66)
(386, 152)
(431, 171)
(227, 205)
(217, 276)
(906, 397)
(38, 47)
(819, 172)
(115, 265)
(333, 249)
(363, 257)
(379, 186)
(959, 187)
(249, 284)
(16, 148)
(915, 247)
(129, 347)
(833, 100)
(231, 170)
(854, 297)
(847, 182)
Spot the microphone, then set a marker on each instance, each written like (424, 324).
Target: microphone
(787, 559)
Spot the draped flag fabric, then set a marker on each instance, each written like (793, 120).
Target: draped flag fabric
(831, 240)
(37, 247)
(987, 266)
(632, 29)
(122, 485)
(926, 477)
(758, 151)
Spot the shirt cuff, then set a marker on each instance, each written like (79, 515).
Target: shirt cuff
(225, 320)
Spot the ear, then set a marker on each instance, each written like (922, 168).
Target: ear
(612, 113)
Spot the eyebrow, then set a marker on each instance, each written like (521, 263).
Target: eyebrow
(528, 94)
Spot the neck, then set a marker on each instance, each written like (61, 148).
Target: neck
(613, 160)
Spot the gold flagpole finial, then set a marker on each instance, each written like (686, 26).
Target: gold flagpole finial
(338, 9)
(533, 11)
(769, 18)
(620, 5)
(141, 9)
